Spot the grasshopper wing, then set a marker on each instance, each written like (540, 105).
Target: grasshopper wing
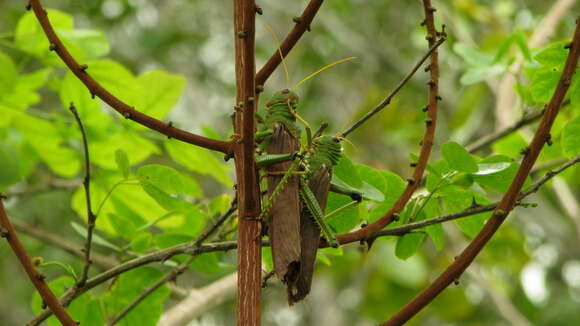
(284, 226)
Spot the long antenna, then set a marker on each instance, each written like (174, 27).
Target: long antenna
(277, 41)
(328, 66)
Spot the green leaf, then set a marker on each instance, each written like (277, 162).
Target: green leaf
(128, 287)
(8, 75)
(85, 44)
(137, 148)
(30, 38)
(510, 146)
(543, 84)
(472, 56)
(142, 242)
(457, 199)
(408, 244)
(501, 178)
(199, 160)
(345, 171)
(82, 231)
(89, 109)
(164, 199)
(122, 162)
(490, 168)
(571, 138)
(458, 158)
(10, 172)
(159, 93)
(116, 78)
(481, 73)
(553, 55)
(169, 180)
(207, 263)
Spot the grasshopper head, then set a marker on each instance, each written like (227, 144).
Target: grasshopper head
(327, 150)
(284, 96)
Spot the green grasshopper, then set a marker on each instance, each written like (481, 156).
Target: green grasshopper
(295, 211)
(298, 184)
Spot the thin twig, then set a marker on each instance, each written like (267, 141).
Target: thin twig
(508, 201)
(179, 269)
(91, 217)
(394, 92)
(426, 144)
(404, 229)
(38, 280)
(302, 25)
(491, 138)
(124, 109)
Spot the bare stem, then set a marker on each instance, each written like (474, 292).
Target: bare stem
(91, 217)
(7, 231)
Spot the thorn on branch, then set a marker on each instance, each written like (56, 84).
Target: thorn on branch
(28, 6)
(40, 277)
(259, 89)
(297, 20)
(438, 98)
(432, 9)
(93, 95)
(500, 213)
(228, 156)
(549, 140)
(4, 233)
(127, 115)
(413, 164)
(84, 68)
(396, 217)
(423, 22)
(525, 151)
(251, 99)
(428, 122)
(431, 83)
(427, 68)
(242, 34)
(52, 47)
(568, 46)
(259, 10)
(474, 203)
(425, 109)
(411, 181)
(456, 282)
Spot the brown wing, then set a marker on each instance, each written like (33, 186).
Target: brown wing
(284, 226)
(310, 234)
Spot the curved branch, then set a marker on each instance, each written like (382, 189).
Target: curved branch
(7, 231)
(302, 25)
(509, 199)
(124, 109)
(426, 143)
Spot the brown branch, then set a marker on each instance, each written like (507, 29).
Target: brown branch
(491, 138)
(91, 217)
(426, 143)
(124, 109)
(509, 199)
(179, 269)
(394, 92)
(7, 231)
(302, 25)
(249, 244)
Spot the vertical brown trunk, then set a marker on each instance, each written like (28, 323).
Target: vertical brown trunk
(249, 243)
